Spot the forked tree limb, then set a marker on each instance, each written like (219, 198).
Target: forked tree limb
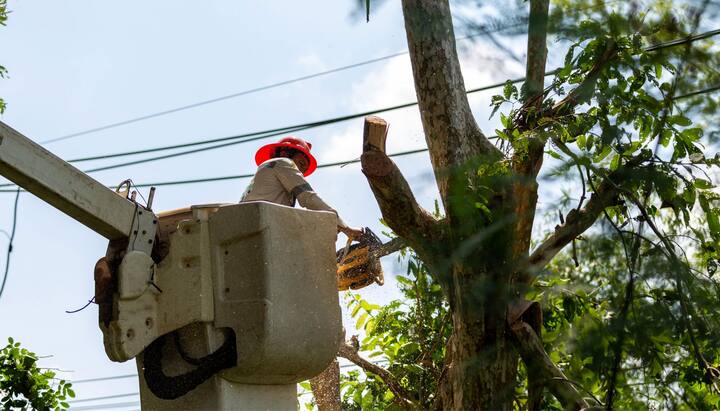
(540, 365)
(397, 203)
(350, 351)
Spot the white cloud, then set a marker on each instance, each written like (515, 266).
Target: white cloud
(392, 84)
(311, 62)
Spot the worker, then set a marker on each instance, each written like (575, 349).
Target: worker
(280, 179)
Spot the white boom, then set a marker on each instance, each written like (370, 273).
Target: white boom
(63, 186)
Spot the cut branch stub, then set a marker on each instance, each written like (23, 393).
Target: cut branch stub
(399, 208)
(374, 160)
(374, 134)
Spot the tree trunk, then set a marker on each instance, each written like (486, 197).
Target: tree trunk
(482, 362)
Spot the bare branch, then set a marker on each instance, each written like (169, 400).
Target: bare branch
(579, 220)
(576, 223)
(527, 163)
(536, 52)
(540, 365)
(392, 192)
(350, 352)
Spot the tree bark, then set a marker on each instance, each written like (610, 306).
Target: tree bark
(451, 133)
(326, 388)
(527, 163)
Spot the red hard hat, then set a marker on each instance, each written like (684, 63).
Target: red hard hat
(267, 152)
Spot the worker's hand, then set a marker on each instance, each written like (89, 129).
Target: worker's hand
(353, 233)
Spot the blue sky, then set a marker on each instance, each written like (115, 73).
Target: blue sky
(83, 64)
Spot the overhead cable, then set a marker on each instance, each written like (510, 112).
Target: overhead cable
(256, 89)
(10, 242)
(257, 135)
(334, 164)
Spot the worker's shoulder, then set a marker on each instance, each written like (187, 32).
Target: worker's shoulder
(278, 162)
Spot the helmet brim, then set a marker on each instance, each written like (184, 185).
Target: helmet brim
(267, 152)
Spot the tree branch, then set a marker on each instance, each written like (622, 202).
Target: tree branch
(540, 364)
(451, 132)
(584, 91)
(350, 352)
(527, 163)
(576, 222)
(536, 53)
(579, 220)
(392, 192)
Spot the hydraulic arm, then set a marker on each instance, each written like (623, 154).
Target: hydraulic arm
(68, 189)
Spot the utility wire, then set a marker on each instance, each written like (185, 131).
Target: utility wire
(107, 397)
(106, 406)
(258, 89)
(339, 163)
(274, 132)
(241, 176)
(10, 243)
(298, 127)
(116, 377)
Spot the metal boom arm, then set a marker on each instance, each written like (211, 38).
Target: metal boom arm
(63, 186)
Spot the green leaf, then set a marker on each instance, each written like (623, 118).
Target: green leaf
(702, 184)
(509, 89)
(679, 120)
(361, 320)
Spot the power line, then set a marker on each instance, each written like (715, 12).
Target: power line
(257, 89)
(298, 127)
(684, 40)
(237, 177)
(242, 138)
(116, 377)
(106, 406)
(241, 176)
(130, 394)
(10, 243)
(339, 163)
(107, 397)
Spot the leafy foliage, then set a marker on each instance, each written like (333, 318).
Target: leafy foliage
(583, 323)
(23, 385)
(630, 312)
(408, 335)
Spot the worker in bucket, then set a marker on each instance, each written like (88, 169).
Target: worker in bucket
(280, 178)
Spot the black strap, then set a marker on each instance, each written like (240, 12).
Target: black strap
(170, 388)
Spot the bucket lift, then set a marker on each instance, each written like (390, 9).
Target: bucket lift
(223, 306)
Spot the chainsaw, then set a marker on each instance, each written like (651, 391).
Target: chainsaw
(358, 265)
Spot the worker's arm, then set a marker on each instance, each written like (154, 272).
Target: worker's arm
(295, 183)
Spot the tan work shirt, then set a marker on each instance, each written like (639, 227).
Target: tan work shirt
(279, 181)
